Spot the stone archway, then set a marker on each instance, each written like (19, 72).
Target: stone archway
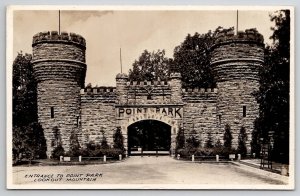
(150, 137)
(150, 115)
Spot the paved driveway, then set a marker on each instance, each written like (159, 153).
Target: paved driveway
(150, 170)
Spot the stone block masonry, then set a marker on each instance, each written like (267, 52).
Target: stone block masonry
(59, 67)
(236, 60)
(98, 115)
(65, 106)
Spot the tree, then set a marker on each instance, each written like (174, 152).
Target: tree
(104, 144)
(119, 139)
(209, 142)
(74, 145)
(150, 67)
(273, 95)
(192, 59)
(24, 91)
(242, 149)
(256, 135)
(180, 139)
(58, 151)
(218, 144)
(227, 137)
(28, 136)
(193, 142)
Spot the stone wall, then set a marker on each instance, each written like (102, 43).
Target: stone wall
(200, 114)
(147, 92)
(232, 96)
(98, 114)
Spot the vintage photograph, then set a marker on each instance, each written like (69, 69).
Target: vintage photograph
(150, 97)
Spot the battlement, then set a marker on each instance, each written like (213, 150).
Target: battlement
(98, 90)
(251, 35)
(199, 90)
(54, 36)
(199, 94)
(147, 83)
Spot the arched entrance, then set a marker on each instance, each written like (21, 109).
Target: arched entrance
(149, 137)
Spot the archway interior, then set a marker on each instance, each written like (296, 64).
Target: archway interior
(149, 135)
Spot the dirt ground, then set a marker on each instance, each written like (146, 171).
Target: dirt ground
(147, 170)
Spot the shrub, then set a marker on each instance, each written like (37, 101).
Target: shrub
(255, 143)
(180, 139)
(84, 152)
(74, 146)
(227, 137)
(119, 140)
(209, 142)
(104, 144)
(227, 151)
(204, 151)
(242, 149)
(57, 152)
(183, 152)
(192, 142)
(112, 152)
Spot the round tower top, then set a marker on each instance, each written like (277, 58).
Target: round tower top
(54, 36)
(175, 75)
(249, 35)
(122, 76)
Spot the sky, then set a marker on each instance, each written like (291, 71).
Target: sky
(106, 31)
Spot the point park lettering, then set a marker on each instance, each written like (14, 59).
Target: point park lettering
(167, 111)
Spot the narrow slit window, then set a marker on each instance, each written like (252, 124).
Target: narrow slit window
(52, 112)
(149, 97)
(244, 111)
(77, 121)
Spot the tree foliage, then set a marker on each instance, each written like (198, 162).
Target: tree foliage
(24, 91)
(180, 139)
(193, 141)
(209, 142)
(119, 139)
(273, 95)
(150, 66)
(256, 135)
(104, 144)
(192, 59)
(28, 136)
(28, 142)
(74, 145)
(242, 149)
(227, 137)
(58, 151)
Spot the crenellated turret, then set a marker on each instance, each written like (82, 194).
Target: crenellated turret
(60, 69)
(236, 60)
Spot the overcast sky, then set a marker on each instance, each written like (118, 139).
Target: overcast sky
(134, 31)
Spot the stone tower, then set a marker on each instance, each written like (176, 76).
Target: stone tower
(60, 69)
(236, 60)
(121, 88)
(176, 87)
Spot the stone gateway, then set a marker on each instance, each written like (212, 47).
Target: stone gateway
(66, 106)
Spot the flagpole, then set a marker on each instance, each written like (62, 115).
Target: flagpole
(59, 22)
(121, 60)
(237, 21)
